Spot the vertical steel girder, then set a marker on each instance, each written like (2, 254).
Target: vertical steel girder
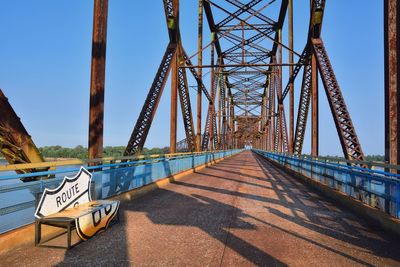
(392, 81)
(284, 130)
(97, 79)
(271, 113)
(219, 113)
(206, 133)
(174, 102)
(276, 133)
(174, 33)
(223, 111)
(200, 74)
(346, 131)
(210, 131)
(232, 122)
(215, 131)
(16, 144)
(302, 114)
(142, 126)
(186, 109)
(314, 108)
(209, 128)
(291, 85)
(272, 105)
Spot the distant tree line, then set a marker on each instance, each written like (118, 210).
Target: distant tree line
(81, 152)
(379, 158)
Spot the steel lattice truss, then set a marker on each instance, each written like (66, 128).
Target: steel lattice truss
(347, 134)
(143, 123)
(246, 100)
(245, 44)
(304, 106)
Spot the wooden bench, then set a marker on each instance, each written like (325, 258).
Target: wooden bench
(70, 206)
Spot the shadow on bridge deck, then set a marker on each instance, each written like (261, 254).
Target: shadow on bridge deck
(242, 211)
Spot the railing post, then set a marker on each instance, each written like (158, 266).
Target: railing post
(397, 193)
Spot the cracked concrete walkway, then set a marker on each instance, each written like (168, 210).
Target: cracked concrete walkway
(242, 211)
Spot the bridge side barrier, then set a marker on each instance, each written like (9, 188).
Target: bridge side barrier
(17, 199)
(378, 189)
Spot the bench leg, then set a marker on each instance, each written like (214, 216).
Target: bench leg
(38, 232)
(69, 236)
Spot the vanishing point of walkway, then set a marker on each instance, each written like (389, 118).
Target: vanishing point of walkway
(242, 211)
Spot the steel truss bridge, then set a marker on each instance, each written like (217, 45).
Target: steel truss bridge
(251, 196)
(247, 90)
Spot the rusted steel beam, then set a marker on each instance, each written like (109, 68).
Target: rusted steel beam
(242, 9)
(232, 121)
(392, 80)
(219, 112)
(279, 24)
(213, 85)
(301, 62)
(243, 65)
(314, 31)
(208, 134)
(314, 108)
(224, 106)
(279, 92)
(291, 85)
(186, 109)
(174, 76)
(200, 74)
(263, 118)
(272, 105)
(302, 114)
(143, 123)
(174, 102)
(16, 144)
(281, 19)
(347, 134)
(233, 28)
(250, 10)
(97, 79)
(196, 75)
(211, 24)
(284, 130)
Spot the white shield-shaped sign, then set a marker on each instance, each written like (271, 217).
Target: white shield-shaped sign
(71, 192)
(99, 219)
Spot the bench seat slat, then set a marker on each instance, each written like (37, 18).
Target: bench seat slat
(76, 212)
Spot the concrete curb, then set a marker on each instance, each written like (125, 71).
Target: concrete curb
(387, 222)
(24, 236)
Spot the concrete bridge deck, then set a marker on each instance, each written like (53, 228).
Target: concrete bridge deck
(242, 211)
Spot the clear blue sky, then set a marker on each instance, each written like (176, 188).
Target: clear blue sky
(45, 54)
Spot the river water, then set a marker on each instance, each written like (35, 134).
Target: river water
(17, 204)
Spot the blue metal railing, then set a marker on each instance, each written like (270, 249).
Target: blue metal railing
(17, 199)
(375, 188)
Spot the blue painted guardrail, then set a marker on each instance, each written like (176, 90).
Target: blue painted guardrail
(375, 188)
(18, 199)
